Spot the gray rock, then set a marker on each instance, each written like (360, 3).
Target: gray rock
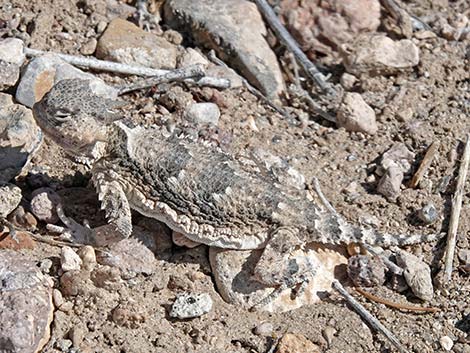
(190, 305)
(203, 113)
(69, 259)
(26, 309)
(372, 53)
(44, 72)
(354, 114)
(389, 184)
(235, 30)
(44, 203)
(10, 198)
(417, 274)
(264, 329)
(11, 59)
(366, 271)
(130, 256)
(20, 138)
(428, 214)
(124, 42)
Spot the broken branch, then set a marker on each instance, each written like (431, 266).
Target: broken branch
(425, 164)
(455, 213)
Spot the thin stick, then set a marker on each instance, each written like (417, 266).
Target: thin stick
(192, 71)
(425, 164)
(368, 317)
(394, 268)
(323, 199)
(303, 94)
(391, 304)
(253, 90)
(103, 65)
(285, 37)
(455, 213)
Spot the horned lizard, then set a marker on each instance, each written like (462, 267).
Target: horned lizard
(199, 191)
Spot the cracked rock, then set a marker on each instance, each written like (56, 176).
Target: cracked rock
(190, 305)
(10, 198)
(44, 203)
(11, 59)
(26, 308)
(20, 138)
(235, 30)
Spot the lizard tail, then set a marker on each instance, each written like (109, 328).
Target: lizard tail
(333, 229)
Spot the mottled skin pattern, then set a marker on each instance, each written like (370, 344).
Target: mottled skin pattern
(196, 190)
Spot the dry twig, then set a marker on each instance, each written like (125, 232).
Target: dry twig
(193, 71)
(455, 213)
(253, 90)
(368, 317)
(103, 65)
(391, 304)
(285, 37)
(425, 164)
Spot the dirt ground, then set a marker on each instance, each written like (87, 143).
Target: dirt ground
(437, 91)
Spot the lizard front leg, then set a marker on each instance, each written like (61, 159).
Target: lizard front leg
(118, 215)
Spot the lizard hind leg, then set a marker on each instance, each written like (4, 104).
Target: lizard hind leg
(278, 266)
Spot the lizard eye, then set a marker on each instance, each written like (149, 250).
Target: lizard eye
(62, 115)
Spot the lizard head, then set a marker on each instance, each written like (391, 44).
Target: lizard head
(74, 117)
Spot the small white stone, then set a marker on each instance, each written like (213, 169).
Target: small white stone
(264, 329)
(203, 113)
(189, 305)
(446, 343)
(69, 259)
(355, 115)
(88, 256)
(11, 51)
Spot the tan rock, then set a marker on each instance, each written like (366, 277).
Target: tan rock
(379, 54)
(124, 42)
(355, 115)
(296, 343)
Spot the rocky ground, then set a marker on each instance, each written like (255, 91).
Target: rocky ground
(403, 92)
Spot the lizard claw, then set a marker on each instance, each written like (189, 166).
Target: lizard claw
(78, 233)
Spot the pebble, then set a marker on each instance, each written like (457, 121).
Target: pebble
(124, 42)
(89, 47)
(88, 256)
(20, 138)
(203, 113)
(379, 54)
(236, 31)
(264, 329)
(190, 305)
(44, 203)
(43, 72)
(355, 115)
(296, 343)
(45, 265)
(405, 115)
(69, 259)
(446, 343)
(64, 345)
(10, 198)
(390, 183)
(328, 334)
(26, 309)
(22, 219)
(130, 256)
(428, 214)
(11, 59)
(57, 297)
(347, 81)
(366, 271)
(398, 155)
(417, 275)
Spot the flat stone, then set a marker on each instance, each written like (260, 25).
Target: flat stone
(124, 42)
(26, 308)
(296, 343)
(233, 274)
(389, 184)
(20, 138)
(203, 113)
(379, 54)
(10, 198)
(69, 259)
(190, 305)
(43, 72)
(354, 114)
(417, 274)
(236, 31)
(130, 256)
(44, 203)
